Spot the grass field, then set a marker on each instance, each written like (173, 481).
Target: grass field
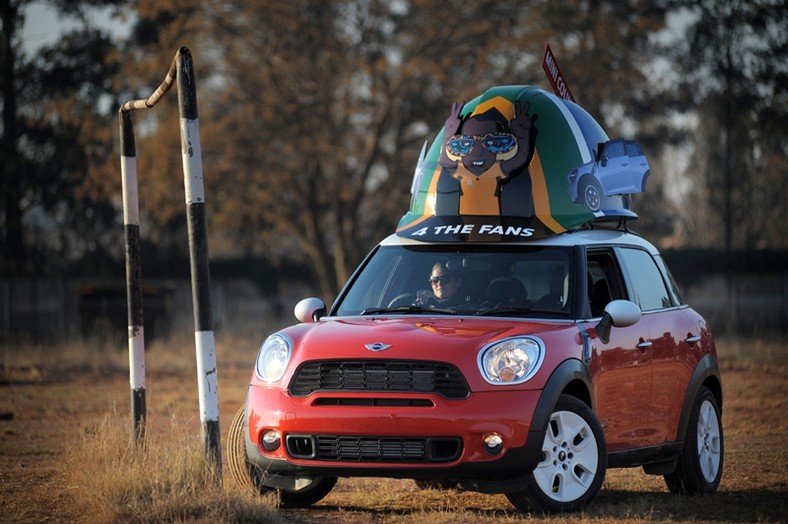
(65, 452)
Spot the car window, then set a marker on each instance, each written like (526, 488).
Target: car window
(603, 281)
(372, 283)
(645, 279)
(633, 148)
(514, 277)
(546, 279)
(614, 149)
(671, 281)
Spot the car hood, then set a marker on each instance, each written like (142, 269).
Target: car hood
(408, 337)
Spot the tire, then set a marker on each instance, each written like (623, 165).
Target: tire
(240, 468)
(247, 475)
(573, 465)
(699, 467)
(592, 194)
(317, 489)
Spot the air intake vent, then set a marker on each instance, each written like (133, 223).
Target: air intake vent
(379, 376)
(374, 449)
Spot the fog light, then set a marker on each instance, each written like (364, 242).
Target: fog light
(271, 440)
(493, 444)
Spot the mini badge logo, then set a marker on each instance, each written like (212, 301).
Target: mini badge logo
(377, 346)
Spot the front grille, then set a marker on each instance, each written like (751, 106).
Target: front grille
(379, 376)
(373, 449)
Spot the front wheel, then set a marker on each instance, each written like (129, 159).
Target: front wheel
(310, 491)
(699, 468)
(592, 194)
(248, 475)
(240, 468)
(573, 465)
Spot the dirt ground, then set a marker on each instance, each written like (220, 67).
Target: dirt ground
(40, 410)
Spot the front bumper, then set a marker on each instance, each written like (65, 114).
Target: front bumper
(383, 421)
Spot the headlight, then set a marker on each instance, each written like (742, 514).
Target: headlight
(511, 361)
(273, 358)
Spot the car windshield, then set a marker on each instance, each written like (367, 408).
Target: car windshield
(485, 280)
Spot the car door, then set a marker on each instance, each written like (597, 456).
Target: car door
(614, 168)
(670, 334)
(637, 166)
(622, 366)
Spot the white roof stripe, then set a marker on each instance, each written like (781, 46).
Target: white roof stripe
(582, 146)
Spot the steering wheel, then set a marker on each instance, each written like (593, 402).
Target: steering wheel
(405, 299)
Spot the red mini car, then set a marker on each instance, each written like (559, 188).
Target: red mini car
(475, 352)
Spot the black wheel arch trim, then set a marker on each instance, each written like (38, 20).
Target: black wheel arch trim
(706, 369)
(567, 372)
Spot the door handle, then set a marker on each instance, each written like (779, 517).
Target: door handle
(691, 339)
(644, 344)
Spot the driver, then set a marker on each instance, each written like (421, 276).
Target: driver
(445, 286)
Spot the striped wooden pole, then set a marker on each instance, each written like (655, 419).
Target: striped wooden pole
(131, 226)
(198, 253)
(181, 72)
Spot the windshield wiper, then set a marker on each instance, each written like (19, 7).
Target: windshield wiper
(511, 310)
(407, 309)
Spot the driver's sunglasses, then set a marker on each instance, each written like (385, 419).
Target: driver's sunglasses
(446, 279)
(497, 143)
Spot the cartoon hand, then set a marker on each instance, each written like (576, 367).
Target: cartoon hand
(454, 120)
(521, 123)
(451, 128)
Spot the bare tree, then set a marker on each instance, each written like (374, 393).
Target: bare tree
(11, 239)
(736, 79)
(54, 134)
(313, 113)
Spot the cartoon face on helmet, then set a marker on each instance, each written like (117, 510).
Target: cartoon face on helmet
(482, 141)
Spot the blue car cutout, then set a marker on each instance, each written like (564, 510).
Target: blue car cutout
(621, 168)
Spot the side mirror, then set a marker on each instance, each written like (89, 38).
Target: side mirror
(310, 310)
(618, 313)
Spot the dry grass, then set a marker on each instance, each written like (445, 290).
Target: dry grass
(174, 355)
(752, 354)
(165, 481)
(100, 477)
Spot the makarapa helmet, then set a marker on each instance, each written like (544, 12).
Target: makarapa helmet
(519, 162)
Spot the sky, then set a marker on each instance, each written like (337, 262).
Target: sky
(43, 25)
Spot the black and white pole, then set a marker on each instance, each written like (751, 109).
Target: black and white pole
(182, 72)
(198, 253)
(131, 226)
